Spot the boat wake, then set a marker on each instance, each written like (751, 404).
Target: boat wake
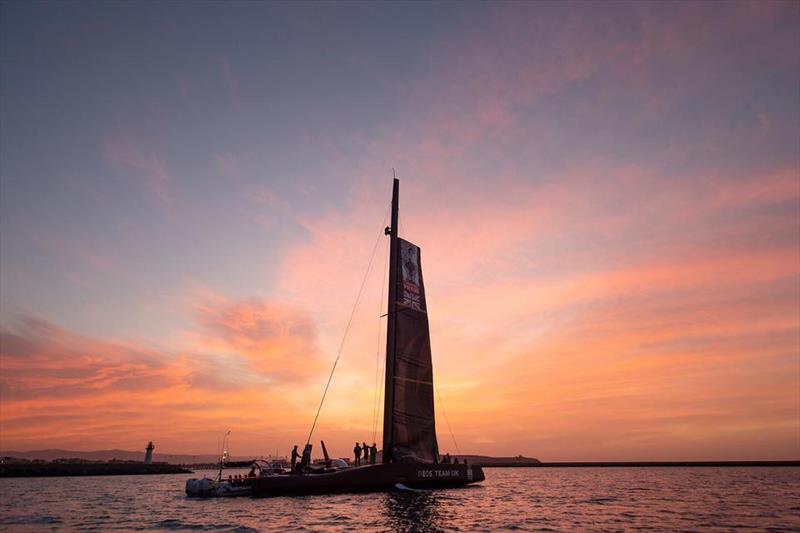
(400, 486)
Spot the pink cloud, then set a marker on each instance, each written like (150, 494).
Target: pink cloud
(269, 199)
(782, 185)
(277, 341)
(231, 84)
(80, 252)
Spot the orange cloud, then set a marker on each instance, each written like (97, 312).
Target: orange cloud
(275, 340)
(61, 389)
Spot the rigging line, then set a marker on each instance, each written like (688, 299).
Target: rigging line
(347, 329)
(441, 403)
(380, 402)
(378, 349)
(375, 392)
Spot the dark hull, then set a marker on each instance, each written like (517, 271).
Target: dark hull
(369, 478)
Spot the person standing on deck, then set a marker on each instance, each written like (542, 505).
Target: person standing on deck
(373, 454)
(305, 461)
(365, 448)
(295, 456)
(357, 453)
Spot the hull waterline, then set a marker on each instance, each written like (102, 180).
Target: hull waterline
(369, 478)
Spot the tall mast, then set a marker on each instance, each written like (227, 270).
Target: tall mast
(388, 405)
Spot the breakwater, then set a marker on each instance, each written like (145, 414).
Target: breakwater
(35, 469)
(520, 461)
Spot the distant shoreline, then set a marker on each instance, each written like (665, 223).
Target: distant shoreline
(641, 464)
(117, 469)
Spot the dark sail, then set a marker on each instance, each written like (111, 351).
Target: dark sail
(413, 424)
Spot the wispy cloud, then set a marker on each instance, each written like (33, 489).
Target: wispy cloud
(228, 165)
(80, 253)
(231, 84)
(149, 167)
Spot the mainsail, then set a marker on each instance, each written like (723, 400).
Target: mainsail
(414, 423)
(409, 422)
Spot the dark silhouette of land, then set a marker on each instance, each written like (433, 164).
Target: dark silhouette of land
(485, 460)
(118, 455)
(14, 467)
(634, 464)
(520, 461)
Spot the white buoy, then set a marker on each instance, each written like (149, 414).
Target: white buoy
(148, 453)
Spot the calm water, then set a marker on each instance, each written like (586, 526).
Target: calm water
(523, 499)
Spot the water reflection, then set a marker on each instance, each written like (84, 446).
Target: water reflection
(568, 499)
(413, 511)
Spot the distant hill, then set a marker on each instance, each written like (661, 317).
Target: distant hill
(485, 460)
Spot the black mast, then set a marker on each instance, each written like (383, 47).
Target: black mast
(388, 405)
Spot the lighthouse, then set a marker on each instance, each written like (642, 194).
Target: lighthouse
(148, 453)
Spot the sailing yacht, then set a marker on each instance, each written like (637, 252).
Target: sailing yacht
(410, 451)
(410, 455)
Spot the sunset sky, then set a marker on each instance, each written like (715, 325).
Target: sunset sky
(607, 198)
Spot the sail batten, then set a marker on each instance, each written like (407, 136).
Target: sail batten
(400, 378)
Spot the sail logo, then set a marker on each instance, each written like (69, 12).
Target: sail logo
(410, 287)
(410, 275)
(409, 259)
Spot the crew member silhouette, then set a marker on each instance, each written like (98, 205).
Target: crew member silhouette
(295, 456)
(357, 453)
(373, 454)
(305, 461)
(365, 450)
